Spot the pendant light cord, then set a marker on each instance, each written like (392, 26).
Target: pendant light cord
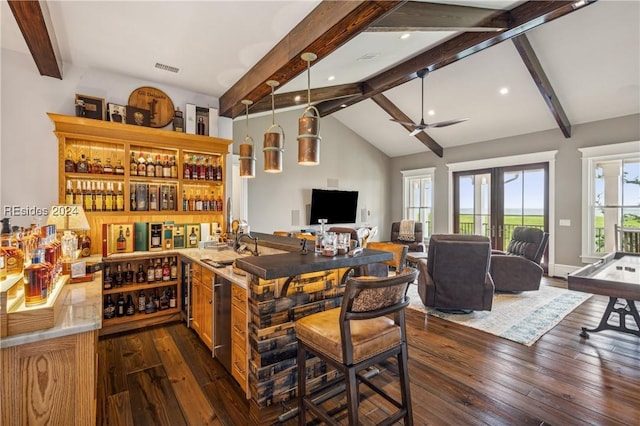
(247, 116)
(273, 106)
(308, 84)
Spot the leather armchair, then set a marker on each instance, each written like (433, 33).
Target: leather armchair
(416, 245)
(381, 269)
(455, 277)
(518, 268)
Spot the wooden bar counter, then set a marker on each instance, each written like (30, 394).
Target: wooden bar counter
(282, 288)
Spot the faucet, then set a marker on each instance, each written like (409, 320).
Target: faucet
(239, 238)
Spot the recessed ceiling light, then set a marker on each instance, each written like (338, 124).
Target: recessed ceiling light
(431, 112)
(331, 77)
(343, 106)
(405, 36)
(579, 3)
(297, 98)
(504, 91)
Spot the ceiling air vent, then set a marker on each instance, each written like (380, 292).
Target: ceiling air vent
(167, 68)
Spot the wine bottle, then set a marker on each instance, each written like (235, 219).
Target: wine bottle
(141, 301)
(128, 276)
(120, 308)
(141, 276)
(109, 308)
(130, 307)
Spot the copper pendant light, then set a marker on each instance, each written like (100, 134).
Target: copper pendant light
(272, 146)
(309, 124)
(247, 158)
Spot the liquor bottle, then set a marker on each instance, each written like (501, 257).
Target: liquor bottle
(68, 194)
(218, 170)
(202, 169)
(156, 299)
(150, 307)
(86, 196)
(121, 242)
(141, 276)
(158, 167)
(213, 203)
(172, 298)
(164, 201)
(158, 270)
(89, 165)
(164, 300)
(174, 167)
(219, 203)
(119, 169)
(130, 308)
(193, 238)
(166, 168)
(141, 301)
(173, 269)
(120, 309)
(156, 236)
(100, 196)
(186, 168)
(153, 200)
(69, 164)
(94, 194)
(172, 201)
(178, 120)
(120, 198)
(82, 166)
(106, 196)
(109, 308)
(198, 201)
(118, 277)
(107, 278)
(108, 199)
(96, 167)
(151, 272)
(206, 203)
(36, 279)
(128, 275)
(142, 166)
(192, 202)
(133, 165)
(200, 126)
(209, 173)
(77, 196)
(185, 201)
(151, 167)
(108, 168)
(166, 270)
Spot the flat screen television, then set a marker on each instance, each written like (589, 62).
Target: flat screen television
(334, 205)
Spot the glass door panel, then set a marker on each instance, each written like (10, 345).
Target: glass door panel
(524, 200)
(473, 204)
(420, 199)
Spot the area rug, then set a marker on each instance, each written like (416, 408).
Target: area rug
(522, 317)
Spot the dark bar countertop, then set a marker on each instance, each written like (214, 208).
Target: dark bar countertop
(295, 263)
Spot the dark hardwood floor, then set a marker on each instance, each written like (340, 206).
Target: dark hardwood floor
(459, 376)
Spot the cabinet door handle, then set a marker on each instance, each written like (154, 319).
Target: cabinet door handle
(210, 301)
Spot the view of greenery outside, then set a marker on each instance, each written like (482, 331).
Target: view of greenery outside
(510, 222)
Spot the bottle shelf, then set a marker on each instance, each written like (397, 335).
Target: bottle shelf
(135, 287)
(94, 176)
(138, 316)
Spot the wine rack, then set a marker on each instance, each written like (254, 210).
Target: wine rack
(186, 185)
(126, 277)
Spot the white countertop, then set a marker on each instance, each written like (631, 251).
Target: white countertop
(81, 311)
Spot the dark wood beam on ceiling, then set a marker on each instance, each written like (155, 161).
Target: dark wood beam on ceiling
(327, 27)
(523, 18)
(395, 112)
(420, 16)
(35, 24)
(289, 99)
(532, 63)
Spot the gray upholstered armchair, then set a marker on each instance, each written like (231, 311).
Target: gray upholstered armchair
(455, 276)
(416, 244)
(518, 268)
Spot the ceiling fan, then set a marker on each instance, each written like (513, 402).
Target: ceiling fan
(422, 125)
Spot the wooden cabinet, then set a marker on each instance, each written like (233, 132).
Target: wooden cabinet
(172, 193)
(239, 362)
(160, 295)
(202, 303)
(50, 382)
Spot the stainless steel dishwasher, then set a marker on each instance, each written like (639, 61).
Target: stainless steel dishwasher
(222, 321)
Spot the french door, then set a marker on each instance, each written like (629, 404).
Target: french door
(492, 202)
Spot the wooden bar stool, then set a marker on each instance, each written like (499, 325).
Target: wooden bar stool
(356, 336)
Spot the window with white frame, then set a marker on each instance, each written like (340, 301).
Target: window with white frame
(417, 200)
(611, 194)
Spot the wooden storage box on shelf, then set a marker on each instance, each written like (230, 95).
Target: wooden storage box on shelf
(115, 141)
(157, 287)
(17, 318)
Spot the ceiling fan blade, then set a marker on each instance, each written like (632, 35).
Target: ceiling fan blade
(416, 131)
(406, 123)
(446, 123)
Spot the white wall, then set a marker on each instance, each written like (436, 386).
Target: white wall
(29, 150)
(344, 156)
(568, 171)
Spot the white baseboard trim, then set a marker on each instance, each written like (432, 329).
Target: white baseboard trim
(562, 271)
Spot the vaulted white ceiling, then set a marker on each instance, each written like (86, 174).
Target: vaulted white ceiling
(590, 56)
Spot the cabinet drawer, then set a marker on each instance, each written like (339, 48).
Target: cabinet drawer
(239, 297)
(239, 365)
(196, 272)
(238, 325)
(207, 277)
